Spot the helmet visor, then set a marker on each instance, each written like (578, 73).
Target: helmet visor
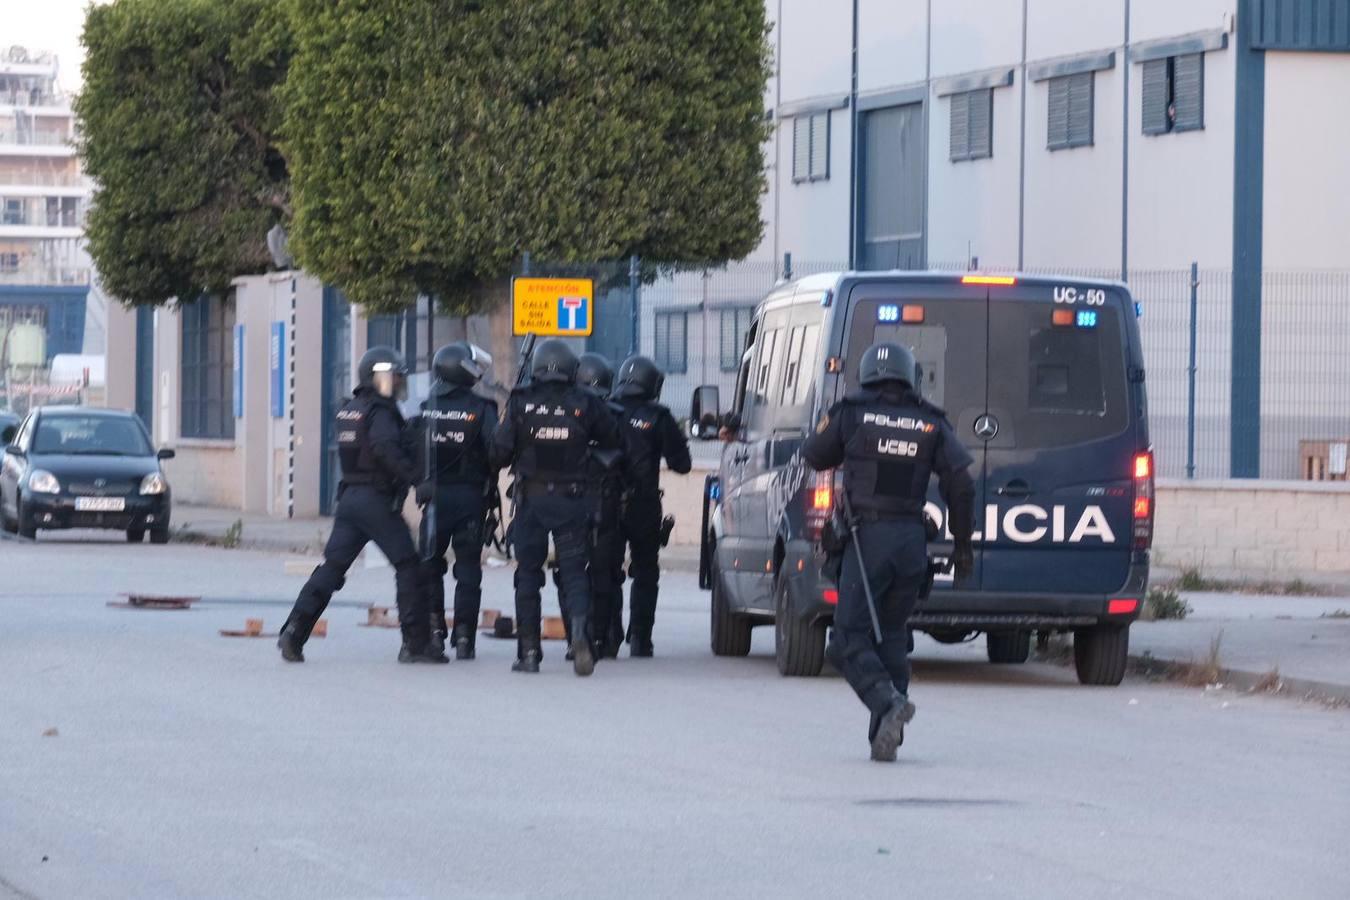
(478, 363)
(389, 381)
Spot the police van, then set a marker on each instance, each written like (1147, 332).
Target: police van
(1043, 381)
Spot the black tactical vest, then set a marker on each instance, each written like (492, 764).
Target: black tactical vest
(888, 454)
(641, 426)
(353, 441)
(553, 433)
(456, 422)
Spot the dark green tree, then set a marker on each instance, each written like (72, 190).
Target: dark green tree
(432, 141)
(178, 114)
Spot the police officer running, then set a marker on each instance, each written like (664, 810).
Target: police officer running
(650, 434)
(546, 433)
(377, 470)
(454, 498)
(888, 440)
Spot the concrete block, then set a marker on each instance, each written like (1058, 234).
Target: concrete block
(1254, 560)
(1345, 540)
(1296, 518)
(1215, 518)
(1295, 562)
(1281, 538)
(1176, 515)
(1328, 517)
(1337, 561)
(1319, 539)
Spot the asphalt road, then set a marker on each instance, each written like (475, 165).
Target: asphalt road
(187, 764)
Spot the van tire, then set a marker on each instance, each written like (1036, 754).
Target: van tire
(1008, 647)
(799, 646)
(730, 632)
(1100, 654)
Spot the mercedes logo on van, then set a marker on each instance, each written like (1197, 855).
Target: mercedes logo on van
(986, 427)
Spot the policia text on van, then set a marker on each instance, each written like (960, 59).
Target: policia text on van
(1042, 378)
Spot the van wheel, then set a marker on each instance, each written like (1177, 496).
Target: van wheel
(799, 646)
(1101, 653)
(730, 632)
(1008, 647)
(159, 535)
(135, 535)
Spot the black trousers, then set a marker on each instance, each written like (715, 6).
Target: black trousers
(568, 520)
(896, 556)
(642, 533)
(366, 514)
(456, 524)
(605, 568)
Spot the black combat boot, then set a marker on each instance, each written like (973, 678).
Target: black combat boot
(891, 711)
(428, 654)
(291, 644)
(640, 640)
(528, 656)
(583, 659)
(464, 644)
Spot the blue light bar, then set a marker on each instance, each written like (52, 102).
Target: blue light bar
(888, 313)
(1087, 318)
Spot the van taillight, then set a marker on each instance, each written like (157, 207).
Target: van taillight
(821, 497)
(1143, 500)
(820, 501)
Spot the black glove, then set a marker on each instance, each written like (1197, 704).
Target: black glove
(963, 561)
(425, 491)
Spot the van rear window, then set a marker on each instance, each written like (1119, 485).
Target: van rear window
(1060, 384)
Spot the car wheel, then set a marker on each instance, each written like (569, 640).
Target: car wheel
(8, 524)
(135, 535)
(1008, 647)
(798, 645)
(1100, 654)
(159, 535)
(730, 632)
(27, 528)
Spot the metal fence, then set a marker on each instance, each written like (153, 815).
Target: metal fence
(692, 320)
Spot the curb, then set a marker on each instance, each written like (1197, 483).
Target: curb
(1246, 681)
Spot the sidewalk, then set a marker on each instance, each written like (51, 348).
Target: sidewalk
(1257, 635)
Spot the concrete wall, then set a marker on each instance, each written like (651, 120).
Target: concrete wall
(120, 385)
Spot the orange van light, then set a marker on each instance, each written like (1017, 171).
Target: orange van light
(822, 498)
(1143, 465)
(1061, 317)
(912, 315)
(1141, 508)
(1121, 607)
(988, 279)
(831, 596)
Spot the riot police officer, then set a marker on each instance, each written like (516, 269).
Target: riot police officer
(377, 470)
(888, 440)
(546, 433)
(605, 470)
(459, 427)
(650, 435)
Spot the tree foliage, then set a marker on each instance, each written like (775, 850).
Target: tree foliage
(179, 110)
(432, 141)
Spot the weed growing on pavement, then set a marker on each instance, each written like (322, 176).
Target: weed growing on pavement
(1269, 683)
(233, 534)
(1208, 670)
(1165, 603)
(1336, 614)
(1195, 581)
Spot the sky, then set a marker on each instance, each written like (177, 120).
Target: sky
(52, 25)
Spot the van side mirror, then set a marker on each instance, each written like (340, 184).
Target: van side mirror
(166, 453)
(7, 436)
(705, 414)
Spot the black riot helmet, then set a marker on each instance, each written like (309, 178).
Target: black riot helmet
(553, 361)
(639, 377)
(594, 374)
(460, 363)
(888, 361)
(381, 369)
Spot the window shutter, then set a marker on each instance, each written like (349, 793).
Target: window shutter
(820, 145)
(981, 107)
(727, 340)
(960, 131)
(1156, 97)
(1188, 91)
(1079, 131)
(801, 148)
(1057, 120)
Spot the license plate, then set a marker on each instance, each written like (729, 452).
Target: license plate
(100, 504)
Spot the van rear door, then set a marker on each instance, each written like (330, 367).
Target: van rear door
(1059, 441)
(946, 323)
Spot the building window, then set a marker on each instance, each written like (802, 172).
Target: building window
(207, 382)
(1070, 111)
(671, 344)
(13, 213)
(735, 325)
(1174, 94)
(972, 134)
(811, 147)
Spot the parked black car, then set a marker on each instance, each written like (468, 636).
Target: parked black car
(74, 467)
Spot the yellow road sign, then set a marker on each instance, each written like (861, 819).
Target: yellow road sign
(553, 307)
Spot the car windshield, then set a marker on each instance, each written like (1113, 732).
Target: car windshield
(90, 436)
